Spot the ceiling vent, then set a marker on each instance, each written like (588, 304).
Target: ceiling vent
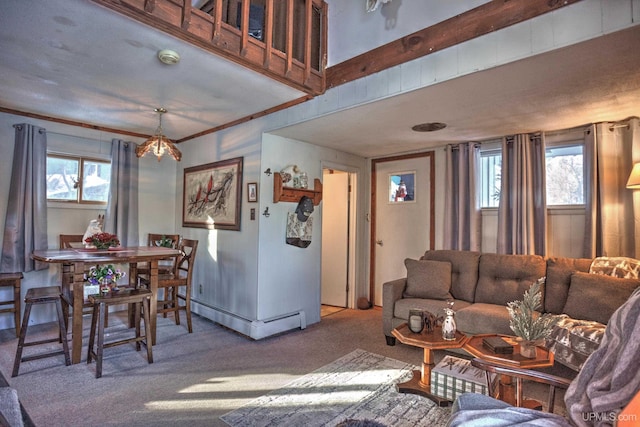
(169, 57)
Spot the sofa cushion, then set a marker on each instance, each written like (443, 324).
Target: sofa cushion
(428, 279)
(596, 297)
(627, 268)
(504, 278)
(480, 318)
(573, 340)
(464, 271)
(558, 280)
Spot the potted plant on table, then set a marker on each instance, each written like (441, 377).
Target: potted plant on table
(529, 325)
(105, 277)
(102, 240)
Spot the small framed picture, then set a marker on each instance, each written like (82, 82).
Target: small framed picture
(252, 192)
(402, 187)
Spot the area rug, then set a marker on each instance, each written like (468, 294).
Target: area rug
(359, 385)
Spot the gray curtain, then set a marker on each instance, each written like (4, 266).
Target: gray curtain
(121, 217)
(612, 221)
(25, 226)
(462, 215)
(522, 211)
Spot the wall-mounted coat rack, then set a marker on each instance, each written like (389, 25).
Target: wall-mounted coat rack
(288, 194)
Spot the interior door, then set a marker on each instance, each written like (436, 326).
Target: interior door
(335, 237)
(403, 216)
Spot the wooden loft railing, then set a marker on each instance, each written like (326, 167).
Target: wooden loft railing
(283, 39)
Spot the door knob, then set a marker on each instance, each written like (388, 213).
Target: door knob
(379, 242)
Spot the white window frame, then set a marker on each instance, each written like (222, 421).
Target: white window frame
(566, 143)
(486, 150)
(81, 166)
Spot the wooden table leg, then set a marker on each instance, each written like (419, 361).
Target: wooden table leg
(420, 383)
(78, 302)
(133, 283)
(153, 310)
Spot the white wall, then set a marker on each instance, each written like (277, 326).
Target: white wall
(156, 201)
(225, 272)
(251, 280)
(365, 31)
(289, 277)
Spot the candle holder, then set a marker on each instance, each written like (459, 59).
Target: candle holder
(416, 320)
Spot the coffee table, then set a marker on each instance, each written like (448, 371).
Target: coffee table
(420, 383)
(507, 392)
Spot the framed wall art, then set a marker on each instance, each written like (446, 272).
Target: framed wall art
(402, 187)
(252, 192)
(212, 195)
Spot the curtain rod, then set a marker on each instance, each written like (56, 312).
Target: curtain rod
(76, 136)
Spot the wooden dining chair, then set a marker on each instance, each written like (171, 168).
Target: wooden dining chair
(69, 241)
(157, 239)
(177, 283)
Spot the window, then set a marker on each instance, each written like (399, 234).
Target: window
(490, 165)
(64, 185)
(565, 174)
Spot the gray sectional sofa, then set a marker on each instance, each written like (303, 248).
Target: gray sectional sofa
(481, 285)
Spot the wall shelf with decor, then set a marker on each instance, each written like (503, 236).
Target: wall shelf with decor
(288, 194)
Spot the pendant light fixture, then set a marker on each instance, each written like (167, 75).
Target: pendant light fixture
(158, 143)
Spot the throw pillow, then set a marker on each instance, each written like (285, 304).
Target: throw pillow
(428, 279)
(596, 297)
(624, 267)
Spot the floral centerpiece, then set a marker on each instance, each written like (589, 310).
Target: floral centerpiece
(528, 324)
(102, 240)
(105, 276)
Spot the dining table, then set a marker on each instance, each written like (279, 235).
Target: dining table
(77, 258)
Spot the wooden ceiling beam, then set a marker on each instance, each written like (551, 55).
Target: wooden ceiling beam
(492, 16)
(72, 123)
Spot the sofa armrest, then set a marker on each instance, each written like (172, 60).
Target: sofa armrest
(10, 412)
(391, 292)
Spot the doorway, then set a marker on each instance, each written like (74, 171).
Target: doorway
(402, 215)
(338, 239)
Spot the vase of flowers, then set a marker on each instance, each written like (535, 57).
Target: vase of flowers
(529, 325)
(102, 240)
(104, 276)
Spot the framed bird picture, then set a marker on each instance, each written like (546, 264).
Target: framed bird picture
(213, 195)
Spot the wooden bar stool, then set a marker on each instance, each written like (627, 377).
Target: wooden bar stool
(12, 279)
(44, 295)
(140, 298)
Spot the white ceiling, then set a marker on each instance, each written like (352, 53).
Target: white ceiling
(74, 60)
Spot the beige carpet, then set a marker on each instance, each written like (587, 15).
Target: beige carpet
(196, 378)
(357, 386)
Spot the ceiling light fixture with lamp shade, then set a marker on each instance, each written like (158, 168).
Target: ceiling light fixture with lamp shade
(158, 143)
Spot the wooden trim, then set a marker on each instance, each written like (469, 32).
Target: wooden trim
(72, 123)
(217, 27)
(186, 15)
(289, 42)
(268, 37)
(149, 6)
(244, 27)
(307, 39)
(489, 17)
(432, 210)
